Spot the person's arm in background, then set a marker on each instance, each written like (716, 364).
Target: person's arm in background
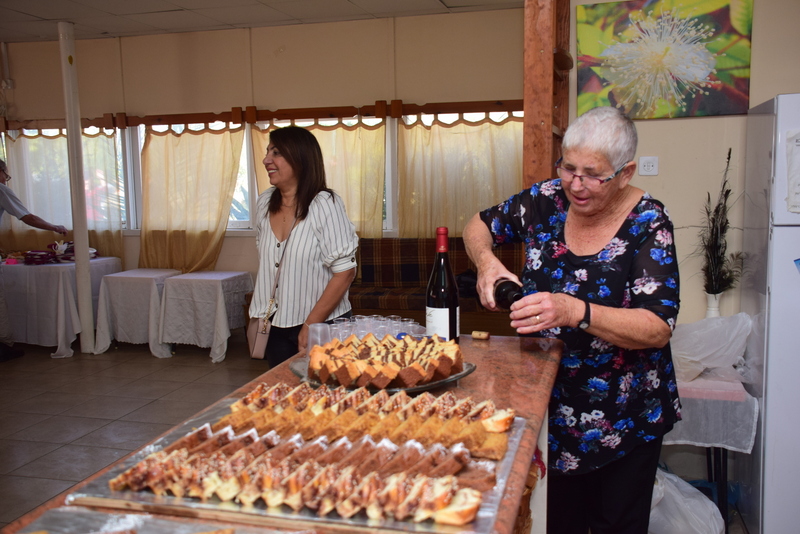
(10, 202)
(37, 222)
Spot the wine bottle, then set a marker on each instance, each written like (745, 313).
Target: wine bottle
(506, 293)
(442, 313)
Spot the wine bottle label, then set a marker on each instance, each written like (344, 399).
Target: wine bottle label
(437, 321)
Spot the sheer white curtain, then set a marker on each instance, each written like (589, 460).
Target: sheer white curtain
(188, 180)
(38, 163)
(448, 172)
(355, 157)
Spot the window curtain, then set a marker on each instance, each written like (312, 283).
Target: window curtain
(188, 181)
(449, 172)
(354, 167)
(38, 163)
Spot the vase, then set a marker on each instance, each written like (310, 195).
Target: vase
(712, 304)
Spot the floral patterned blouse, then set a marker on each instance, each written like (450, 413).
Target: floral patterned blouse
(606, 400)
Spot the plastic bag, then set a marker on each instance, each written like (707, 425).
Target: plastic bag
(716, 343)
(679, 508)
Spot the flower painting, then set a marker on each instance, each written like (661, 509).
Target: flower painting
(665, 58)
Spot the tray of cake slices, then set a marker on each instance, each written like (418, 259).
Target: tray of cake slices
(295, 456)
(80, 520)
(407, 363)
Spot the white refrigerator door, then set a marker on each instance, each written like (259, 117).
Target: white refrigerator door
(781, 470)
(787, 114)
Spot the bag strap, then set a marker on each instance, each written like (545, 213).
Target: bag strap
(280, 262)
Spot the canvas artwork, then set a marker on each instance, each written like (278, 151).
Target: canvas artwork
(665, 58)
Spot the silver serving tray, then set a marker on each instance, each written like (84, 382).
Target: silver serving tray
(98, 493)
(300, 368)
(79, 520)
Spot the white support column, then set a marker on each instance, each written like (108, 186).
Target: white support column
(69, 76)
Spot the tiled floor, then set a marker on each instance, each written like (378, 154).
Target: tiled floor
(62, 420)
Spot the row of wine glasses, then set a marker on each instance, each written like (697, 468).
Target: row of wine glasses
(361, 325)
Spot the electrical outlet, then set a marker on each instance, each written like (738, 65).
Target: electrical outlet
(648, 166)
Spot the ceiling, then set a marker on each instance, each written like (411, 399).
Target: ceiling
(37, 20)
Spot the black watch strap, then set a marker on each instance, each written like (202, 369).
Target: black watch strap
(587, 317)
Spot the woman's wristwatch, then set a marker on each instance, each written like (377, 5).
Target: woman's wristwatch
(587, 317)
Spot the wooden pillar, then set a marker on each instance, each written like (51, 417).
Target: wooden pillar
(545, 91)
(537, 91)
(562, 64)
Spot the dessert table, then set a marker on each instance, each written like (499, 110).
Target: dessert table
(129, 309)
(42, 306)
(201, 308)
(514, 372)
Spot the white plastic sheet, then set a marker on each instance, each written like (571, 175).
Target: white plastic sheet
(679, 508)
(715, 345)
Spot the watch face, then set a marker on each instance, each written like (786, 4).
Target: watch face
(587, 317)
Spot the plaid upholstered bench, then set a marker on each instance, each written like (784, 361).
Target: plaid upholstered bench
(393, 275)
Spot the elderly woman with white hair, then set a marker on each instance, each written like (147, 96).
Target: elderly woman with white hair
(601, 274)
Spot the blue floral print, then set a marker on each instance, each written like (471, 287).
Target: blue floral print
(596, 388)
(606, 400)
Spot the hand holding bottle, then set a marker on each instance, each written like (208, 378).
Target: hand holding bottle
(506, 293)
(489, 276)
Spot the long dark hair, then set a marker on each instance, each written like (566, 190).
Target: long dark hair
(301, 150)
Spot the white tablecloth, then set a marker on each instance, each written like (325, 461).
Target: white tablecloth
(715, 413)
(201, 309)
(42, 308)
(129, 309)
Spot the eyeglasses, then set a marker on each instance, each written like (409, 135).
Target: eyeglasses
(4, 171)
(566, 174)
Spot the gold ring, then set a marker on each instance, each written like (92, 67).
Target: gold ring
(538, 320)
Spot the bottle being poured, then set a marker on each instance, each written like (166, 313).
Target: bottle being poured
(506, 293)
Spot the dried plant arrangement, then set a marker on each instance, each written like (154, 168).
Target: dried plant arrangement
(721, 271)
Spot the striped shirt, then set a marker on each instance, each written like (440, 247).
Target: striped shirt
(322, 244)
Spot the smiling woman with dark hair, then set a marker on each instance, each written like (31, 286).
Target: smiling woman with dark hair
(300, 215)
(601, 275)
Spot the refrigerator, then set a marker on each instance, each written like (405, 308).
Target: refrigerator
(769, 477)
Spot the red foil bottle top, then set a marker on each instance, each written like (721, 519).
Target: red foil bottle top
(441, 239)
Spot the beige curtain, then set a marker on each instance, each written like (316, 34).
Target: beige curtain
(188, 181)
(448, 172)
(38, 163)
(354, 167)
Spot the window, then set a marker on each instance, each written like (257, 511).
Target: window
(243, 202)
(239, 215)
(354, 154)
(449, 166)
(397, 177)
(38, 163)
